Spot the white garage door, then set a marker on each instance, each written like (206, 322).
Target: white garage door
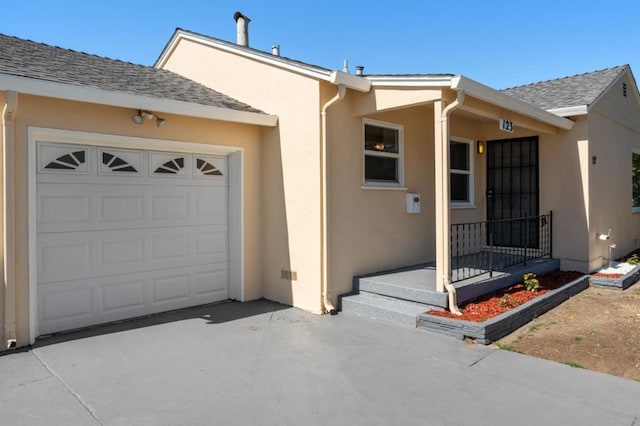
(123, 233)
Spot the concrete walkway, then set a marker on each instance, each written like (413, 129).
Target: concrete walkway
(260, 363)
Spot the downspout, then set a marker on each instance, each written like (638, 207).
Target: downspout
(446, 272)
(327, 306)
(10, 107)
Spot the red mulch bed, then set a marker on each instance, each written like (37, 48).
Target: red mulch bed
(494, 304)
(602, 274)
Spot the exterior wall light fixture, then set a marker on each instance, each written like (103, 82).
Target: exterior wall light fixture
(139, 117)
(480, 147)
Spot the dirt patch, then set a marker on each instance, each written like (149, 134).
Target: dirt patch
(598, 329)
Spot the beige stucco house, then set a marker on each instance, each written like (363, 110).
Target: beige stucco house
(225, 172)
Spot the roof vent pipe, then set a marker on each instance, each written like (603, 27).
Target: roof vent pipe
(275, 50)
(359, 70)
(242, 28)
(345, 66)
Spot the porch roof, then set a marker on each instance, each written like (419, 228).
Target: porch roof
(402, 91)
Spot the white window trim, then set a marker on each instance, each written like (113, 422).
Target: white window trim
(470, 173)
(634, 209)
(399, 156)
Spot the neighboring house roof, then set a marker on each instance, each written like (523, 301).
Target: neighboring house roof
(25, 59)
(565, 93)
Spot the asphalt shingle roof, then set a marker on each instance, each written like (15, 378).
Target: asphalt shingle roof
(25, 58)
(577, 90)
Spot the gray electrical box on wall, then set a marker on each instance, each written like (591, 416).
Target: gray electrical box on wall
(413, 203)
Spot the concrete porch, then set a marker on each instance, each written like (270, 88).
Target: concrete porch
(400, 295)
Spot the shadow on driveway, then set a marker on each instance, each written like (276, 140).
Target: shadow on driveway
(215, 313)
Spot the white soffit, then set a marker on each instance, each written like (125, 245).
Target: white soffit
(495, 97)
(78, 93)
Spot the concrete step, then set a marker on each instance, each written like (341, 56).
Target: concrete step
(384, 308)
(407, 287)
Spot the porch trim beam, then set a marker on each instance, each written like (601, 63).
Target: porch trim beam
(381, 99)
(502, 100)
(487, 110)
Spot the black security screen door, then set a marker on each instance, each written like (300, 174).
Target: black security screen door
(512, 191)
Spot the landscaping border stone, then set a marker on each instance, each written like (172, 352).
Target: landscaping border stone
(493, 329)
(621, 283)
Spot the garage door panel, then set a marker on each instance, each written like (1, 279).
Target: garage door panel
(70, 302)
(124, 209)
(171, 246)
(211, 243)
(122, 295)
(170, 289)
(79, 255)
(73, 304)
(123, 233)
(211, 206)
(73, 255)
(169, 207)
(64, 208)
(211, 283)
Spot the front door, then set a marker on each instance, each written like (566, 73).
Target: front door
(512, 191)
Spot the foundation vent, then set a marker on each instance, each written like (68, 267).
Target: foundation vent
(288, 275)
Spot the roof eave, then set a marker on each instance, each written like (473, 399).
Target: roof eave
(71, 92)
(570, 111)
(335, 77)
(495, 97)
(350, 81)
(410, 81)
(257, 55)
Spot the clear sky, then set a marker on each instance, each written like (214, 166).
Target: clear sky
(498, 43)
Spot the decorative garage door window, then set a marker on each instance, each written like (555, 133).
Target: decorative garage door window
(119, 161)
(61, 158)
(209, 166)
(102, 161)
(168, 164)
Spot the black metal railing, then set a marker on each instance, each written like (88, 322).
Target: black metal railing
(483, 247)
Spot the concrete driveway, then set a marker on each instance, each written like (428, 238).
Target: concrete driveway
(264, 364)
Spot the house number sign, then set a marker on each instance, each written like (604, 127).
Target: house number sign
(506, 125)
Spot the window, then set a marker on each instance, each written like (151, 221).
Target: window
(382, 154)
(635, 181)
(461, 172)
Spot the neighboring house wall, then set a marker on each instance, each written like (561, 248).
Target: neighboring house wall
(291, 162)
(76, 116)
(614, 132)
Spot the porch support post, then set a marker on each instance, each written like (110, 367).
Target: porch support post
(443, 267)
(443, 225)
(8, 217)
